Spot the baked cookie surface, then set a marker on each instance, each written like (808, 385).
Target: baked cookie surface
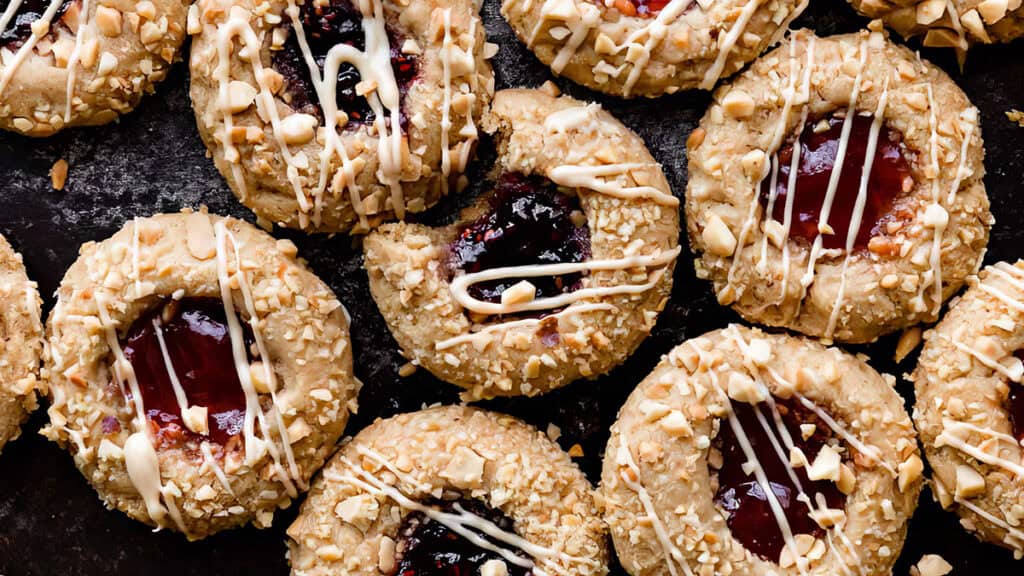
(648, 47)
(198, 372)
(720, 454)
(559, 275)
(333, 116)
(70, 63)
(949, 23)
(970, 406)
(449, 490)
(21, 343)
(865, 245)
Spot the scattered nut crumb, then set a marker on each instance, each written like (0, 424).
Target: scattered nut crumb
(908, 342)
(553, 432)
(407, 369)
(576, 451)
(1017, 116)
(59, 174)
(931, 565)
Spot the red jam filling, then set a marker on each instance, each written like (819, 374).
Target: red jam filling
(890, 178)
(641, 8)
(429, 548)
(195, 333)
(529, 222)
(325, 26)
(749, 514)
(20, 27)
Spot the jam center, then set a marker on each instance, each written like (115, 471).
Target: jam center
(326, 25)
(749, 515)
(198, 344)
(20, 27)
(643, 8)
(429, 548)
(529, 222)
(819, 145)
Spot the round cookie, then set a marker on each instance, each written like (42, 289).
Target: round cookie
(333, 116)
(417, 493)
(720, 454)
(648, 47)
(21, 332)
(557, 275)
(949, 23)
(970, 406)
(70, 63)
(865, 245)
(198, 372)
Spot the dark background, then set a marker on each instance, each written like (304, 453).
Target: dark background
(51, 521)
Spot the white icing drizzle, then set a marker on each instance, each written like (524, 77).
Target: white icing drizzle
(1014, 536)
(948, 438)
(69, 88)
(835, 174)
(590, 178)
(253, 411)
(970, 117)
(871, 452)
(655, 32)
(41, 25)
(462, 522)
(487, 331)
(211, 462)
(461, 284)
(179, 392)
(446, 105)
(673, 556)
(935, 256)
(715, 71)
(858, 209)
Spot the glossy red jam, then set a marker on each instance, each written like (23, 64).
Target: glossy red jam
(529, 222)
(195, 333)
(749, 515)
(325, 26)
(429, 548)
(1016, 404)
(20, 28)
(890, 178)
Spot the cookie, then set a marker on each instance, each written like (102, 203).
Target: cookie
(21, 332)
(970, 406)
(865, 245)
(445, 491)
(333, 116)
(558, 275)
(648, 47)
(198, 372)
(750, 453)
(949, 23)
(67, 63)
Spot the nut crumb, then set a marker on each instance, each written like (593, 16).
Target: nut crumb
(1014, 115)
(576, 451)
(931, 565)
(59, 174)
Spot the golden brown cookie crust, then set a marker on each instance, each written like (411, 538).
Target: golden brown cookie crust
(904, 275)
(657, 460)
(303, 328)
(949, 23)
(547, 136)
(689, 44)
(348, 525)
(962, 383)
(90, 66)
(21, 332)
(280, 173)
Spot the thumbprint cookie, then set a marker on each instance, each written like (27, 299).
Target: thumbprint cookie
(70, 63)
(949, 23)
(836, 188)
(21, 343)
(557, 274)
(649, 47)
(332, 115)
(756, 454)
(970, 406)
(198, 372)
(449, 491)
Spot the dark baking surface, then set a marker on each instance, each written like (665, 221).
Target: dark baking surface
(51, 521)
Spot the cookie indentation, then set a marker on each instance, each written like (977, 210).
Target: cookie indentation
(326, 25)
(20, 28)
(820, 141)
(429, 547)
(529, 222)
(198, 347)
(748, 512)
